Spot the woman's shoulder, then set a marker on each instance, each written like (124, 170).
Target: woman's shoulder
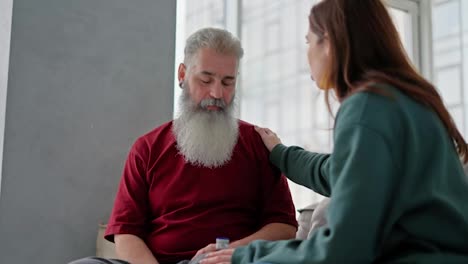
(377, 94)
(381, 104)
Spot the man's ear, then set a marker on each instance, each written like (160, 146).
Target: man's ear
(181, 73)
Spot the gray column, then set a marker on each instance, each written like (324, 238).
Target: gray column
(86, 78)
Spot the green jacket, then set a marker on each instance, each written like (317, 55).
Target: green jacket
(397, 187)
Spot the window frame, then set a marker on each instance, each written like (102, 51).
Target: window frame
(421, 19)
(421, 26)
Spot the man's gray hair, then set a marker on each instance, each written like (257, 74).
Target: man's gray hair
(216, 39)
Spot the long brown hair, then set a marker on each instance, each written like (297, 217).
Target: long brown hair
(365, 48)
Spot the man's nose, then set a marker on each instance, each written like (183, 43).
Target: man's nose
(216, 91)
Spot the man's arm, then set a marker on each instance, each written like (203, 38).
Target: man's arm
(273, 231)
(133, 249)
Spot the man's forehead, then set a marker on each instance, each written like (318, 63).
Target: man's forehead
(216, 74)
(210, 62)
(212, 70)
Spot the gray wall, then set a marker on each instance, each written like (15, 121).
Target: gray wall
(86, 77)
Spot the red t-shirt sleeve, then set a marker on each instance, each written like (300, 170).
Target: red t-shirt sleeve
(130, 214)
(277, 204)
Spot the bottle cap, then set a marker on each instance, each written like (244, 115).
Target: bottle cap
(222, 243)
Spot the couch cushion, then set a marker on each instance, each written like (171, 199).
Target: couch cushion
(311, 218)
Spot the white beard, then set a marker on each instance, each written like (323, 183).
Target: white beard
(205, 138)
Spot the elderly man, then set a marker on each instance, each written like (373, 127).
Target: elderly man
(203, 175)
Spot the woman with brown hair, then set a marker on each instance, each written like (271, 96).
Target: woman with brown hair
(397, 187)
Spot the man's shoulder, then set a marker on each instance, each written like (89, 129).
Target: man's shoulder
(158, 135)
(245, 128)
(158, 131)
(247, 132)
(250, 138)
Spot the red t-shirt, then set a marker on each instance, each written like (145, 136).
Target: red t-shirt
(178, 208)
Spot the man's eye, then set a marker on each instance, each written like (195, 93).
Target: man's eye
(205, 81)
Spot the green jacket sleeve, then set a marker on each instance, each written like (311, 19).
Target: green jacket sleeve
(302, 167)
(359, 177)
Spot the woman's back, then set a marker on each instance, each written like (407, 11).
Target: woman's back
(397, 187)
(428, 211)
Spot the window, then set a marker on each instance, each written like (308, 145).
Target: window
(405, 14)
(275, 89)
(193, 15)
(450, 56)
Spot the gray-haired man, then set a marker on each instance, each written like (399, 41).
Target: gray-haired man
(203, 175)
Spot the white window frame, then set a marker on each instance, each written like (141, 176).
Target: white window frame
(420, 12)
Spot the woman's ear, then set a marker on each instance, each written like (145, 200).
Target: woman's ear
(326, 42)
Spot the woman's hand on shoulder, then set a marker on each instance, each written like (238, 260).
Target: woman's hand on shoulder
(270, 139)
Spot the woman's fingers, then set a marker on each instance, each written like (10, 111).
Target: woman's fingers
(270, 139)
(218, 257)
(209, 248)
(263, 130)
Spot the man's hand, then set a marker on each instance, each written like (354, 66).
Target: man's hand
(270, 139)
(219, 257)
(207, 249)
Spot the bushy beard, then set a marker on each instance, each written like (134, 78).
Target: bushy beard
(205, 138)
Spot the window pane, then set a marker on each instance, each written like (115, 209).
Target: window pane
(446, 20)
(403, 20)
(457, 115)
(447, 80)
(203, 13)
(191, 16)
(448, 60)
(275, 60)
